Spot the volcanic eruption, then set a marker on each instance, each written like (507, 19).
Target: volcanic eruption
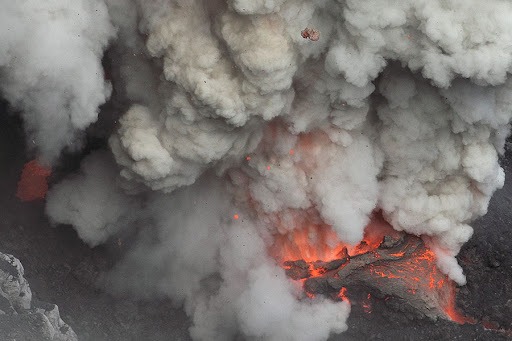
(262, 175)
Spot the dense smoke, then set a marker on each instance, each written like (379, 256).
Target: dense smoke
(92, 202)
(50, 68)
(402, 107)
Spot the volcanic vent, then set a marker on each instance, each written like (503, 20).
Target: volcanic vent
(387, 264)
(258, 145)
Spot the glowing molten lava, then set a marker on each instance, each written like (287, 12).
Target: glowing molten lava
(320, 242)
(33, 183)
(387, 262)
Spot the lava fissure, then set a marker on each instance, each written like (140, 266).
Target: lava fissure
(400, 267)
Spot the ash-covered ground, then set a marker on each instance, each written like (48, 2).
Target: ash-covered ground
(61, 269)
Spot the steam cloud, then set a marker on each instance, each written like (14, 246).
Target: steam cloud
(50, 68)
(399, 106)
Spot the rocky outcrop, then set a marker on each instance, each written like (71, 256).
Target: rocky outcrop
(21, 317)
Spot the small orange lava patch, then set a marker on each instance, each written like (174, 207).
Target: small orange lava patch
(342, 294)
(33, 183)
(248, 158)
(236, 216)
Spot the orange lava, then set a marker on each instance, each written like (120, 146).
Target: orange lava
(310, 244)
(33, 183)
(320, 242)
(303, 236)
(342, 295)
(419, 271)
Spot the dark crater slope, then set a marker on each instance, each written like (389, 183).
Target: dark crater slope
(61, 269)
(487, 261)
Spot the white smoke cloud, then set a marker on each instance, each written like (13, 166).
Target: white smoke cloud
(441, 39)
(441, 161)
(50, 68)
(400, 106)
(220, 271)
(91, 201)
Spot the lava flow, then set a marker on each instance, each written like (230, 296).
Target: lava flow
(387, 263)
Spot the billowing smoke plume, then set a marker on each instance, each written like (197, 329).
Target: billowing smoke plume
(401, 107)
(192, 251)
(50, 68)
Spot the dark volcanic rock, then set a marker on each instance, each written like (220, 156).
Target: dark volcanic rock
(297, 269)
(487, 260)
(22, 318)
(399, 268)
(391, 241)
(332, 265)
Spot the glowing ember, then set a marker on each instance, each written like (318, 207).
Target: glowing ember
(33, 183)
